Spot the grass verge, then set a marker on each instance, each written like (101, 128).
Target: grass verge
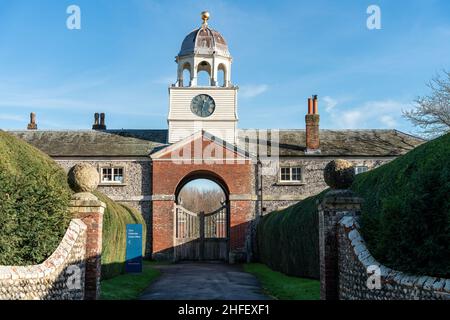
(283, 287)
(129, 286)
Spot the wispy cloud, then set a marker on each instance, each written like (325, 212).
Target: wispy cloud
(371, 114)
(251, 91)
(330, 103)
(11, 117)
(389, 121)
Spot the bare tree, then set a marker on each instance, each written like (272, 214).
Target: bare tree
(432, 112)
(197, 200)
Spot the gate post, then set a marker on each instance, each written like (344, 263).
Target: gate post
(90, 211)
(339, 202)
(202, 235)
(83, 179)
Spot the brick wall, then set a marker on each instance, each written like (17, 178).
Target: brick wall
(169, 175)
(312, 131)
(166, 178)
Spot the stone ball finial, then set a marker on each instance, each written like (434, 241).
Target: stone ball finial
(205, 17)
(83, 178)
(339, 174)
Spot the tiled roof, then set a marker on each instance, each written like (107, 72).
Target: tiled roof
(138, 143)
(341, 142)
(110, 143)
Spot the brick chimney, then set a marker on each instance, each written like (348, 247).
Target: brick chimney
(32, 125)
(99, 122)
(312, 126)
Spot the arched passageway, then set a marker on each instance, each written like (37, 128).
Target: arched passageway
(201, 218)
(169, 176)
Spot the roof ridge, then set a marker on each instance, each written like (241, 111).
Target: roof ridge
(86, 130)
(411, 135)
(386, 130)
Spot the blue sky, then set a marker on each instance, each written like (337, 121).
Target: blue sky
(122, 60)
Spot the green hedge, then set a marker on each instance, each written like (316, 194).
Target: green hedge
(405, 219)
(33, 203)
(34, 196)
(115, 219)
(288, 240)
(406, 215)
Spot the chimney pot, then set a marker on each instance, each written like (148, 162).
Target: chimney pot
(99, 122)
(310, 106)
(315, 104)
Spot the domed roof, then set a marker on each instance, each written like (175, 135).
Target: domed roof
(204, 41)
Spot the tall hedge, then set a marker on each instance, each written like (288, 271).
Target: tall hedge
(115, 219)
(34, 196)
(288, 240)
(405, 218)
(406, 214)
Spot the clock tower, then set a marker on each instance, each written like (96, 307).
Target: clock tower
(210, 106)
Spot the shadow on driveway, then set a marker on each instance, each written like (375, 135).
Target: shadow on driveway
(204, 281)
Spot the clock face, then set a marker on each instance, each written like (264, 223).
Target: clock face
(203, 105)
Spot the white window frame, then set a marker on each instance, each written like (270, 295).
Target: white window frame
(113, 174)
(291, 170)
(359, 171)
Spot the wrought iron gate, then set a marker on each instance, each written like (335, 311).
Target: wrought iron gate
(200, 236)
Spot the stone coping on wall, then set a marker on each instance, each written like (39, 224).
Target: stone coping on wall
(40, 281)
(395, 284)
(233, 197)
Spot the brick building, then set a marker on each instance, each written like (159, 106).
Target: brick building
(258, 170)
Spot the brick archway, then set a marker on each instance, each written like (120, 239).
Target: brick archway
(203, 174)
(168, 175)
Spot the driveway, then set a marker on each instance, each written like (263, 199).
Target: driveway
(204, 281)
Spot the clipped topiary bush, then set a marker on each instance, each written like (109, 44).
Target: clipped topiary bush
(288, 240)
(406, 214)
(115, 219)
(34, 196)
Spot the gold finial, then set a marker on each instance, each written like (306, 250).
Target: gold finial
(205, 17)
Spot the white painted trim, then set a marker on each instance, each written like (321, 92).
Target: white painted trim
(242, 197)
(233, 197)
(285, 197)
(131, 198)
(196, 160)
(163, 197)
(290, 167)
(349, 158)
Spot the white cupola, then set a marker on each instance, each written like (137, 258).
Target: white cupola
(211, 106)
(204, 49)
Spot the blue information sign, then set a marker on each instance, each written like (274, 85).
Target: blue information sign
(134, 248)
